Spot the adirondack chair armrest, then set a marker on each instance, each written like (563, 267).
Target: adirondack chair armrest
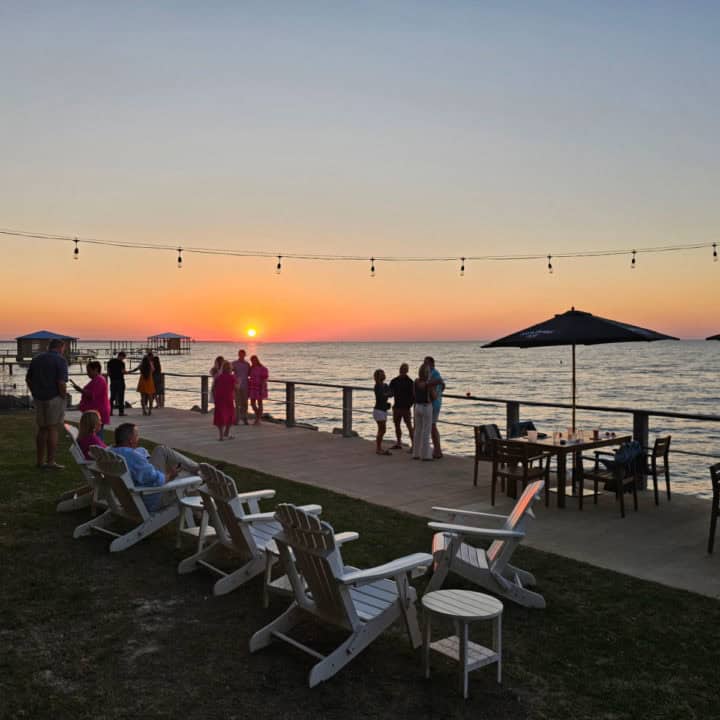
(255, 495)
(401, 566)
(347, 536)
(172, 486)
(498, 533)
(451, 513)
(265, 516)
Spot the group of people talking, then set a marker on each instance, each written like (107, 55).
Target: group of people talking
(416, 403)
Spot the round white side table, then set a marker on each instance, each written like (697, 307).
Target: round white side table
(463, 607)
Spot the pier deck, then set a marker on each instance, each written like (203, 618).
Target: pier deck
(664, 544)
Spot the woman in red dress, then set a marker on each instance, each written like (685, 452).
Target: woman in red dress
(224, 415)
(258, 386)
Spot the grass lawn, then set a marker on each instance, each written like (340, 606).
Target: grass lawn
(84, 634)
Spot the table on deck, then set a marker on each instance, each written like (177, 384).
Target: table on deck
(574, 447)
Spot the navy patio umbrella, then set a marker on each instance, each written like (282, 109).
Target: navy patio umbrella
(713, 337)
(576, 327)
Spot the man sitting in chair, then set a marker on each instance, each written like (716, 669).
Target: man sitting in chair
(150, 469)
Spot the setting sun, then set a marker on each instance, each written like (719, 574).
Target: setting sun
(252, 332)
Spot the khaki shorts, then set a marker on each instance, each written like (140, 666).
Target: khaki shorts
(50, 412)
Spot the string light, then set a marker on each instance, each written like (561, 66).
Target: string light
(230, 252)
(462, 267)
(278, 267)
(372, 267)
(632, 262)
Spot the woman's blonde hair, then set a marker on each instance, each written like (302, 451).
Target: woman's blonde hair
(89, 422)
(379, 375)
(423, 372)
(227, 367)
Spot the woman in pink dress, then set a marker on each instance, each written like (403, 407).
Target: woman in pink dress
(258, 386)
(95, 394)
(224, 415)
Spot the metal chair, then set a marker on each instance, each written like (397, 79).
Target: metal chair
(484, 435)
(659, 452)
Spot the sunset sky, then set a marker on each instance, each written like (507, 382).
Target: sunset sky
(362, 128)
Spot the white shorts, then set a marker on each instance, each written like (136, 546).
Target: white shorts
(379, 415)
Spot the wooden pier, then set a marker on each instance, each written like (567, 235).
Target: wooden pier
(664, 544)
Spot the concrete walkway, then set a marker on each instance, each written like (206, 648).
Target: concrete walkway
(665, 544)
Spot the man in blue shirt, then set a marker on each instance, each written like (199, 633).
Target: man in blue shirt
(437, 382)
(150, 469)
(47, 379)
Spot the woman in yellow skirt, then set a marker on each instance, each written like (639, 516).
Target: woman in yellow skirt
(146, 385)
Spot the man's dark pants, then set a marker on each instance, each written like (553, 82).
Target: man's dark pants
(117, 396)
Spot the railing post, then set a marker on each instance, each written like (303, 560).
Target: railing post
(512, 411)
(204, 393)
(641, 433)
(347, 430)
(290, 404)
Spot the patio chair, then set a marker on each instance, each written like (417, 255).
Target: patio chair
(618, 471)
(659, 452)
(125, 501)
(490, 569)
(237, 531)
(484, 435)
(715, 509)
(363, 602)
(85, 495)
(515, 462)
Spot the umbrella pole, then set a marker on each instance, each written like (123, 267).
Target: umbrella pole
(573, 388)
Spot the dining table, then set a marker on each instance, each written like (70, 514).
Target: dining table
(561, 448)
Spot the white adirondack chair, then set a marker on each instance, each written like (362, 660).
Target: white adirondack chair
(125, 501)
(237, 530)
(363, 602)
(489, 568)
(85, 495)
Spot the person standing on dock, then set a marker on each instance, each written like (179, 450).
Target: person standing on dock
(424, 395)
(47, 379)
(241, 370)
(403, 392)
(116, 372)
(257, 386)
(95, 393)
(159, 380)
(382, 393)
(224, 415)
(437, 383)
(146, 384)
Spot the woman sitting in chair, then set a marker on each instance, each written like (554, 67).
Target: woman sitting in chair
(88, 429)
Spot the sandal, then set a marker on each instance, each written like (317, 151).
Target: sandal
(383, 452)
(396, 446)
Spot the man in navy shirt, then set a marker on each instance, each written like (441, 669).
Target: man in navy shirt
(47, 379)
(403, 392)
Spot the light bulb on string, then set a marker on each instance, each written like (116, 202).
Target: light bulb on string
(278, 267)
(462, 267)
(715, 256)
(550, 267)
(372, 267)
(179, 258)
(76, 251)
(632, 262)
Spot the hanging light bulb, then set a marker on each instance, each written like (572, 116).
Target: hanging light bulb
(632, 262)
(462, 267)
(278, 267)
(76, 251)
(550, 267)
(179, 259)
(372, 267)
(715, 252)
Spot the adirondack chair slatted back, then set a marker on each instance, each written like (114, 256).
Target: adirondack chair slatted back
(116, 473)
(500, 550)
(221, 501)
(75, 450)
(313, 562)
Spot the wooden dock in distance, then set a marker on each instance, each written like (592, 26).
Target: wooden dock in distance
(664, 544)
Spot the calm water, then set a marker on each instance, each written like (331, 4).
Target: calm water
(677, 376)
